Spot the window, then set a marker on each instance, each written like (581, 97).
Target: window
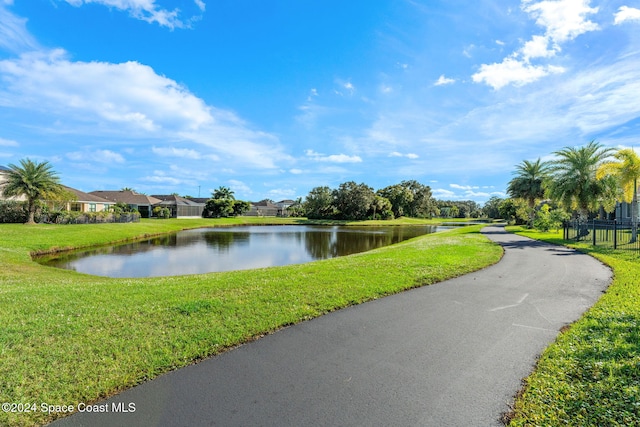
(76, 207)
(92, 207)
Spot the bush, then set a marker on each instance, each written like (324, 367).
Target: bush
(13, 211)
(546, 218)
(162, 213)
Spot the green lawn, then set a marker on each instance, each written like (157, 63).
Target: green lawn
(68, 338)
(591, 375)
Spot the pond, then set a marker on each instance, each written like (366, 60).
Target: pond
(207, 250)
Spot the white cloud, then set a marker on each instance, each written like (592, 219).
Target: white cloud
(333, 158)
(467, 51)
(239, 186)
(442, 80)
(14, 36)
(176, 152)
(512, 71)
(562, 20)
(440, 193)
(98, 156)
(626, 13)
(129, 93)
(200, 4)
(160, 177)
(408, 155)
(463, 187)
(130, 100)
(345, 86)
(296, 171)
(147, 10)
(278, 194)
(538, 47)
(7, 143)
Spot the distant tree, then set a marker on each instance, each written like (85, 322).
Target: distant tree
(463, 208)
(381, 208)
(297, 208)
(528, 184)
(218, 208)
(223, 193)
(514, 211)
(491, 208)
(240, 207)
(400, 197)
(410, 198)
(352, 201)
(127, 189)
(319, 203)
(35, 181)
(574, 183)
(422, 204)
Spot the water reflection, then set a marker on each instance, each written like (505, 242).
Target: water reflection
(225, 249)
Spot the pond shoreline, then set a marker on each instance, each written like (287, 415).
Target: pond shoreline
(241, 247)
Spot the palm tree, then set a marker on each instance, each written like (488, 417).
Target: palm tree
(626, 170)
(573, 181)
(528, 184)
(35, 181)
(223, 193)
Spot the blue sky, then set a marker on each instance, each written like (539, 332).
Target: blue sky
(272, 98)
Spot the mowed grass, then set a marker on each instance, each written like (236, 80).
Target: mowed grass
(591, 375)
(67, 338)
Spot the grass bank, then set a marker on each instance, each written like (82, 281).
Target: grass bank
(591, 375)
(68, 338)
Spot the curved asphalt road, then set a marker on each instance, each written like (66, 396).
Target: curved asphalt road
(449, 354)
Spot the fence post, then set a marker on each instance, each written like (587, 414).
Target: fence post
(593, 231)
(615, 234)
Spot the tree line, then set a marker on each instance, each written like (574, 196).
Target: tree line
(580, 181)
(352, 201)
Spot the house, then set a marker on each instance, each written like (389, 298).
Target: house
(180, 207)
(283, 205)
(269, 208)
(141, 202)
(262, 208)
(85, 202)
(623, 212)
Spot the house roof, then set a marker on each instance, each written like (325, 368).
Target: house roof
(127, 196)
(202, 200)
(172, 199)
(86, 197)
(265, 203)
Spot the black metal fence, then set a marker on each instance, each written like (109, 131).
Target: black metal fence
(612, 234)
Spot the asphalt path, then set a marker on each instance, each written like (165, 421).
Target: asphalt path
(450, 354)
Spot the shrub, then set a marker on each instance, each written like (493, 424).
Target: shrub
(13, 211)
(162, 213)
(546, 218)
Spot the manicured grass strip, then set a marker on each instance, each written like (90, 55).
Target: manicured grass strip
(591, 375)
(68, 338)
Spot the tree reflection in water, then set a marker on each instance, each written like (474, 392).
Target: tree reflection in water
(235, 248)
